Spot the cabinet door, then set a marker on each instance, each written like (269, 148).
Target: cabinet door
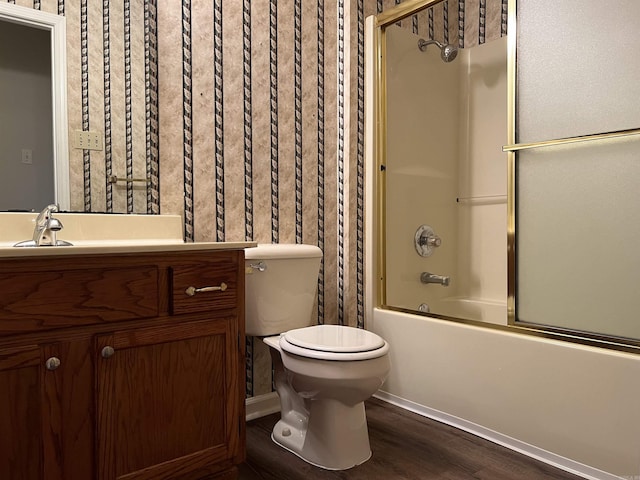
(168, 404)
(68, 415)
(45, 410)
(20, 412)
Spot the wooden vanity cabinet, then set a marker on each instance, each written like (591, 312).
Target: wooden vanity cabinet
(147, 383)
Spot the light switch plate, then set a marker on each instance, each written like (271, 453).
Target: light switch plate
(87, 140)
(27, 156)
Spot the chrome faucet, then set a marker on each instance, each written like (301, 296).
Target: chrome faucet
(46, 227)
(427, 277)
(45, 230)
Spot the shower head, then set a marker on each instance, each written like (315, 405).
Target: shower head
(447, 52)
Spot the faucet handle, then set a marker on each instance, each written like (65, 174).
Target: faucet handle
(46, 212)
(46, 227)
(51, 208)
(430, 240)
(425, 240)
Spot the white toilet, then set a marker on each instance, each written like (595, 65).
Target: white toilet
(323, 373)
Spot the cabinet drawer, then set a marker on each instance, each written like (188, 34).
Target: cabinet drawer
(32, 301)
(205, 286)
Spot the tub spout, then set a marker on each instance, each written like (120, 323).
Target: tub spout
(427, 277)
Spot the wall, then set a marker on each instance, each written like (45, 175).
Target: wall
(25, 118)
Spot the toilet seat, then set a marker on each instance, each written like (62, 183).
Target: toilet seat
(333, 342)
(334, 338)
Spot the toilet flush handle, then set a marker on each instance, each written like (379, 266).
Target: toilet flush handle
(260, 266)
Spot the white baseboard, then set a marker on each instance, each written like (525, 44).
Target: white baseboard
(544, 456)
(262, 405)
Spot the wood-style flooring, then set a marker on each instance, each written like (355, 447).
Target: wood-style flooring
(405, 446)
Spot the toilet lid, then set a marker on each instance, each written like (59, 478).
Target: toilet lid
(334, 338)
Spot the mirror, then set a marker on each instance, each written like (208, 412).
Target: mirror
(443, 168)
(110, 90)
(33, 110)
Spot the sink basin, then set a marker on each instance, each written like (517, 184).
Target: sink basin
(92, 229)
(96, 233)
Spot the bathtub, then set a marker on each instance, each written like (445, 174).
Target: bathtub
(572, 406)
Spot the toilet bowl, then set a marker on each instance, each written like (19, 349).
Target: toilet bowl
(322, 373)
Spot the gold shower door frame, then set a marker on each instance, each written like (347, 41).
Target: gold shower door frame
(392, 16)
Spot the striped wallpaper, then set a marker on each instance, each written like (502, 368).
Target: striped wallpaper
(246, 116)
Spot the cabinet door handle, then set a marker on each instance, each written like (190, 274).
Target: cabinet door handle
(107, 351)
(52, 363)
(191, 291)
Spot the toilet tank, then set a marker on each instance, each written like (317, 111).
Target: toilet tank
(280, 287)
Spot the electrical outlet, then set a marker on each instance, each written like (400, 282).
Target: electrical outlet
(87, 140)
(27, 156)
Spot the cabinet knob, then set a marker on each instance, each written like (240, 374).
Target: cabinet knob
(52, 363)
(107, 352)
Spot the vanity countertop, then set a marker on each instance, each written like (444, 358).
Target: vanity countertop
(100, 234)
(119, 247)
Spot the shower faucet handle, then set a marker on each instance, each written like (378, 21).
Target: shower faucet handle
(430, 240)
(426, 240)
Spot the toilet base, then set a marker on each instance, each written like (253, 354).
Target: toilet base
(334, 436)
